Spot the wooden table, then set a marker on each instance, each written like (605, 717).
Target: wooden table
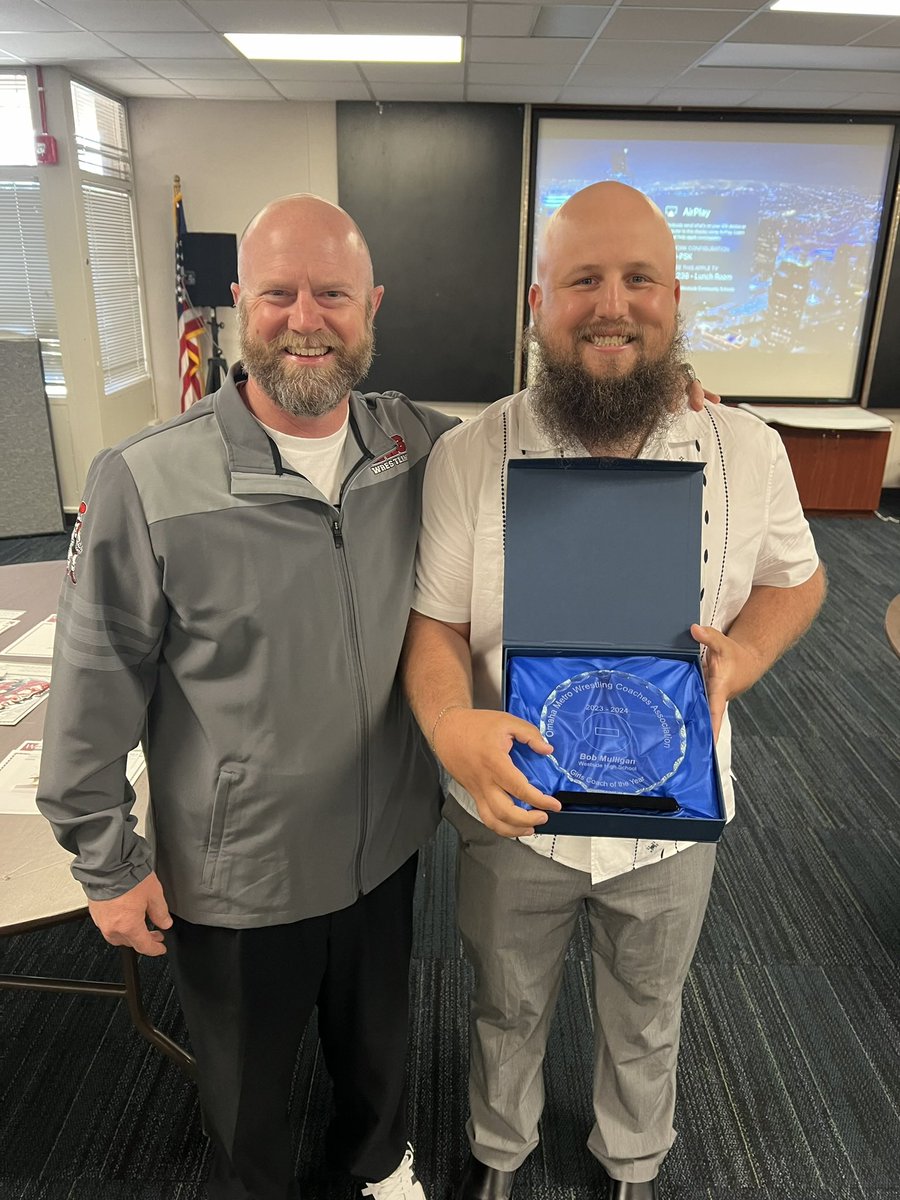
(36, 884)
(892, 624)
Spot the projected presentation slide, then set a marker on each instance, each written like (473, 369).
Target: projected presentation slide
(776, 227)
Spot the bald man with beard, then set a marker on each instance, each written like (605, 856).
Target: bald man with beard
(237, 599)
(609, 382)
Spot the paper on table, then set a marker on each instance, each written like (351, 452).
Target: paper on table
(37, 641)
(22, 687)
(21, 768)
(9, 617)
(19, 778)
(819, 417)
(135, 765)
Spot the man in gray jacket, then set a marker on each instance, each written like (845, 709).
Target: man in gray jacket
(236, 596)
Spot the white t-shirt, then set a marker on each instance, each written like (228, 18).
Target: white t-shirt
(754, 532)
(325, 462)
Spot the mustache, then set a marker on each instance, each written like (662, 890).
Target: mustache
(594, 329)
(293, 342)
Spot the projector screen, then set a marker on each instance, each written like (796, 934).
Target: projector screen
(778, 229)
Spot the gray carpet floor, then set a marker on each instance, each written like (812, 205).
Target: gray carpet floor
(790, 1064)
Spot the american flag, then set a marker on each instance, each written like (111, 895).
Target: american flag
(190, 326)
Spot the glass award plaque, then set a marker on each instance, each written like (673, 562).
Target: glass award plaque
(627, 731)
(613, 731)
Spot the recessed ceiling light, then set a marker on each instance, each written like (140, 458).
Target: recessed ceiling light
(850, 8)
(348, 47)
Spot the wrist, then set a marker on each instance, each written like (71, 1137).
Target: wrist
(448, 708)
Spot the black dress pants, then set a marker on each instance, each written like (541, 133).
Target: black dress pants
(247, 995)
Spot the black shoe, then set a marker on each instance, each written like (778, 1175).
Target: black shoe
(620, 1190)
(480, 1182)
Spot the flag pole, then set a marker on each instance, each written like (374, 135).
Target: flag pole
(190, 325)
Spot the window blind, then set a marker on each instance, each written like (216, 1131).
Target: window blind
(117, 294)
(26, 292)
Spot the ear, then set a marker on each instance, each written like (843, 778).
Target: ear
(535, 298)
(677, 292)
(235, 293)
(376, 296)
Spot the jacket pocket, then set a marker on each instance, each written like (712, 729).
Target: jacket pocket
(217, 825)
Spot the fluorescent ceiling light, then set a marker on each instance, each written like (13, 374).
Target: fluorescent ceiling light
(851, 8)
(349, 47)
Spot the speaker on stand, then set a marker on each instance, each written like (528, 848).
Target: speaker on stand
(210, 268)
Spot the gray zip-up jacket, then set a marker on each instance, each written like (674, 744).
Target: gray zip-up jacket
(216, 607)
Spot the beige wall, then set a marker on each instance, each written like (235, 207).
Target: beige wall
(232, 156)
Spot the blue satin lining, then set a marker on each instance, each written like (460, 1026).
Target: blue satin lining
(532, 679)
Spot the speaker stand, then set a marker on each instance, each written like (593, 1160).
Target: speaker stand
(216, 366)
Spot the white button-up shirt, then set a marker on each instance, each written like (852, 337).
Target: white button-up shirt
(754, 532)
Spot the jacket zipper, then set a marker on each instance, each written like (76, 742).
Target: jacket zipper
(353, 621)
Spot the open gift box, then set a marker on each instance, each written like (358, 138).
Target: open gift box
(602, 583)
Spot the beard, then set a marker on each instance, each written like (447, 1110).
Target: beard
(615, 413)
(305, 391)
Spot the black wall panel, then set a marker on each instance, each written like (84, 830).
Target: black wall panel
(436, 190)
(884, 391)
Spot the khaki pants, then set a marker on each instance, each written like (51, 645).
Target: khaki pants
(517, 910)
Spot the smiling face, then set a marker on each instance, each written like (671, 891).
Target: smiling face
(606, 292)
(305, 306)
(610, 370)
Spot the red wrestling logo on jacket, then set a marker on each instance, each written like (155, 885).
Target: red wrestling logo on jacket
(393, 458)
(75, 546)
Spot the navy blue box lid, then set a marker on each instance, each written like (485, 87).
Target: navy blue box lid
(602, 552)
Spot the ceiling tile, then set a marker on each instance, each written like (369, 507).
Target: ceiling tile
(694, 98)
(421, 92)
(808, 29)
(539, 74)
(526, 50)
(544, 4)
(56, 47)
(625, 73)
(399, 18)
(739, 78)
(307, 72)
(869, 101)
(266, 16)
(133, 16)
(201, 68)
(113, 69)
(887, 35)
(24, 16)
(570, 20)
(815, 101)
(510, 94)
(848, 81)
(657, 25)
(826, 58)
(151, 87)
(503, 20)
(646, 55)
(172, 45)
(748, 6)
(230, 89)
(607, 95)
(323, 91)
(443, 73)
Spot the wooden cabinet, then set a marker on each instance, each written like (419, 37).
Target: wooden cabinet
(837, 470)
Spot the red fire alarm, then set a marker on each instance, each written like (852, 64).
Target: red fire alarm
(45, 149)
(44, 143)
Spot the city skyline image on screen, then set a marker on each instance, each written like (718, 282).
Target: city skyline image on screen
(776, 228)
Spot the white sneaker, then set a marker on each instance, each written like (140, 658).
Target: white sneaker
(401, 1184)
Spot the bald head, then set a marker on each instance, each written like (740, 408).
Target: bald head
(306, 302)
(604, 211)
(294, 225)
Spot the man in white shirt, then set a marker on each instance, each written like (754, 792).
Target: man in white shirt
(609, 382)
